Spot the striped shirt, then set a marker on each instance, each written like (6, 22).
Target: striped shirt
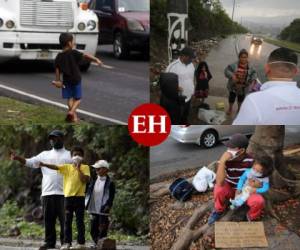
(235, 169)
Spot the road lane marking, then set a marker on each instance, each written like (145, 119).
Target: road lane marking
(58, 104)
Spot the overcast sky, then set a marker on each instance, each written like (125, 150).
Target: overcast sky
(262, 8)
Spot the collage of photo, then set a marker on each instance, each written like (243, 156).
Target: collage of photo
(149, 124)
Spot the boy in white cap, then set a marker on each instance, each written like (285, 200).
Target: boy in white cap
(99, 200)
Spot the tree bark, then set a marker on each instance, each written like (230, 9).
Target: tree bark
(269, 140)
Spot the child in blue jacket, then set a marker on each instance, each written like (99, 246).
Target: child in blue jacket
(254, 180)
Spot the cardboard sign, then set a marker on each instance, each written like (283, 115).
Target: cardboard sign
(240, 234)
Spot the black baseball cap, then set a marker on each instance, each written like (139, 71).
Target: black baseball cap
(56, 133)
(186, 51)
(237, 141)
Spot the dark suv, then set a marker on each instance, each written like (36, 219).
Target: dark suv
(123, 23)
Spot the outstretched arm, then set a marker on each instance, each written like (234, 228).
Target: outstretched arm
(18, 158)
(54, 167)
(93, 59)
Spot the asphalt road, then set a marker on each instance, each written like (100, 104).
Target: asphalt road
(111, 93)
(172, 155)
(226, 53)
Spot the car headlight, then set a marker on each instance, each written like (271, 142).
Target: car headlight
(91, 25)
(10, 24)
(1, 22)
(134, 25)
(81, 26)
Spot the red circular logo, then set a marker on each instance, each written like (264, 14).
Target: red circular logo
(149, 124)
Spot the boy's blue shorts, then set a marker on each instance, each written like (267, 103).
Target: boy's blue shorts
(72, 91)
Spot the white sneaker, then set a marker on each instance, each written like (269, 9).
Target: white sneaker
(78, 247)
(93, 246)
(65, 246)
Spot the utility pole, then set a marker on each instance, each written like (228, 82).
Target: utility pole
(233, 8)
(177, 14)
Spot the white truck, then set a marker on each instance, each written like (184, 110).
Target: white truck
(30, 29)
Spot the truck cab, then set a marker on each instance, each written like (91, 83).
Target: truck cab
(30, 29)
(124, 24)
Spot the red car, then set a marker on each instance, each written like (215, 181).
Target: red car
(123, 23)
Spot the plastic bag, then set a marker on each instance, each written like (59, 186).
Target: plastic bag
(204, 179)
(211, 116)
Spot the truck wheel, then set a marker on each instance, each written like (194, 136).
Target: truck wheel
(85, 66)
(120, 48)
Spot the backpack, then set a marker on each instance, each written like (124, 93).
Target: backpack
(181, 189)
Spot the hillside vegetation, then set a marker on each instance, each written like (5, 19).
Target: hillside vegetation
(203, 24)
(292, 32)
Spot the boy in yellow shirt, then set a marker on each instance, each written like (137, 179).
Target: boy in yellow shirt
(75, 177)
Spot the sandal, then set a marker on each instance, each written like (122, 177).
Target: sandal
(70, 117)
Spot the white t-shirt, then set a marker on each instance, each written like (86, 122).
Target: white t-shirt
(52, 182)
(278, 103)
(96, 198)
(185, 77)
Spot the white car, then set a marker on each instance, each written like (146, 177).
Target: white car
(30, 29)
(207, 135)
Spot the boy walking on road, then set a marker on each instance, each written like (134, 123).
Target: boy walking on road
(75, 177)
(67, 63)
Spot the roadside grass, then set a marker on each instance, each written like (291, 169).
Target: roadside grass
(285, 44)
(17, 112)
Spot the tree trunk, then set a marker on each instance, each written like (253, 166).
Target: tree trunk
(269, 140)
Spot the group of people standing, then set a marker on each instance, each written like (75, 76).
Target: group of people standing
(185, 79)
(65, 177)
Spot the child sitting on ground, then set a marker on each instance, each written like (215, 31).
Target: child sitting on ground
(253, 180)
(67, 63)
(75, 178)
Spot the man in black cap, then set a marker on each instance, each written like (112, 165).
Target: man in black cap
(231, 166)
(52, 185)
(184, 68)
(278, 101)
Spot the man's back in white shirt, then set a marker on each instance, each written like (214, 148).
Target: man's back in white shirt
(185, 77)
(278, 103)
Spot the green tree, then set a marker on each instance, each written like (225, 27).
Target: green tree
(291, 32)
